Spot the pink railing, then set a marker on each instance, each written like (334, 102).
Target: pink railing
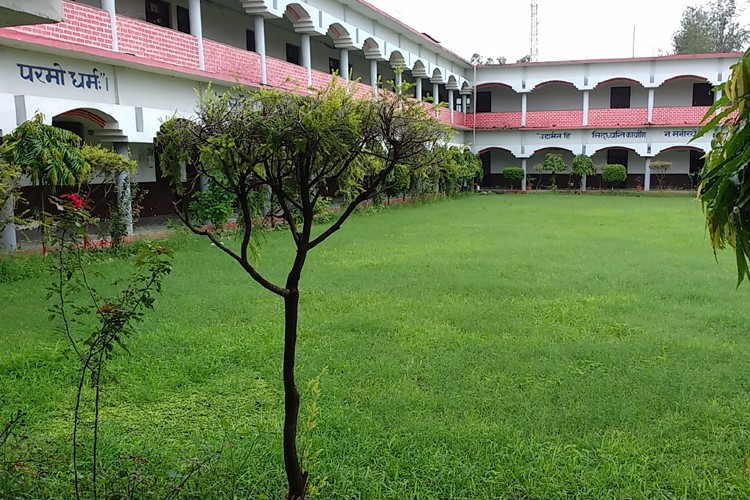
(83, 25)
(154, 43)
(612, 118)
(489, 121)
(679, 116)
(554, 119)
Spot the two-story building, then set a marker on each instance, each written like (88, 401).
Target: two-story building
(113, 70)
(625, 111)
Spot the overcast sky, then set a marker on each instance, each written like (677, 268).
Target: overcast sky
(568, 29)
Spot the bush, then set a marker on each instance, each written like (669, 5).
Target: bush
(660, 168)
(514, 175)
(614, 174)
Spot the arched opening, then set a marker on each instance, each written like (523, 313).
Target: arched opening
(686, 163)
(542, 179)
(682, 100)
(634, 164)
(494, 161)
(497, 97)
(554, 104)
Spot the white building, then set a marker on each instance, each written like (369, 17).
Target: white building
(114, 69)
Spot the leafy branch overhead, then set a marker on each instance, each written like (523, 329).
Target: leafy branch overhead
(725, 184)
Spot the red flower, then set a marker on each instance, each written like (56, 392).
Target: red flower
(74, 199)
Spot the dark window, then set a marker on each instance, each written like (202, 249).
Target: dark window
(619, 97)
(702, 94)
(183, 19)
(157, 12)
(250, 40)
(617, 157)
(484, 102)
(334, 65)
(292, 53)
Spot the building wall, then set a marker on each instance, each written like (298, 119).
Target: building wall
(555, 97)
(599, 98)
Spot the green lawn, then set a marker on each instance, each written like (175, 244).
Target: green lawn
(520, 347)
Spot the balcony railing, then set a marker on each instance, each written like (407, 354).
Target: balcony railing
(687, 116)
(554, 119)
(488, 121)
(621, 117)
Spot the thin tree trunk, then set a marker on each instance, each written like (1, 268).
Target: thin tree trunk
(296, 478)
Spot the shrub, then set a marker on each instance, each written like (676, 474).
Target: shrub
(660, 168)
(583, 166)
(554, 164)
(614, 174)
(514, 175)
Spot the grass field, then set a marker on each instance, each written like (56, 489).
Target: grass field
(520, 347)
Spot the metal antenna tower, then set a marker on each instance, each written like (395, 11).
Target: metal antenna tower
(534, 53)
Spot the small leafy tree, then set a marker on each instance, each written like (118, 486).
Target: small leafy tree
(112, 169)
(554, 164)
(583, 166)
(614, 174)
(660, 169)
(725, 178)
(100, 323)
(50, 156)
(514, 175)
(248, 142)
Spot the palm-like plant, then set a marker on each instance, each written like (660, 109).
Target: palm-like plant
(50, 156)
(725, 179)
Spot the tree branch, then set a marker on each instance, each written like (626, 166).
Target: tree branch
(268, 285)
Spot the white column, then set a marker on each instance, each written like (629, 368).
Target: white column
(523, 166)
(123, 189)
(196, 28)
(399, 78)
(650, 105)
(260, 46)
(451, 103)
(344, 64)
(374, 75)
(583, 183)
(585, 108)
(8, 240)
(109, 6)
(524, 104)
(307, 57)
(418, 93)
(647, 175)
(435, 94)
(464, 103)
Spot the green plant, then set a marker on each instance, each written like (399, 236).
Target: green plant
(96, 328)
(614, 174)
(725, 181)
(514, 175)
(214, 205)
(583, 166)
(554, 164)
(660, 169)
(297, 146)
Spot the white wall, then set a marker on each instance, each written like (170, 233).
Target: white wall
(680, 159)
(500, 160)
(599, 98)
(504, 99)
(555, 97)
(674, 94)
(224, 24)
